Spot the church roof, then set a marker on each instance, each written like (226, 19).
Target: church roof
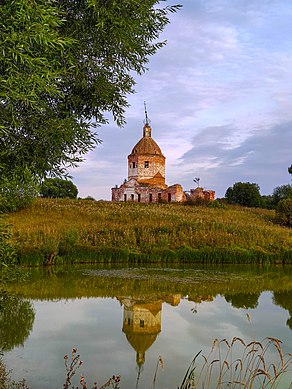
(141, 342)
(146, 144)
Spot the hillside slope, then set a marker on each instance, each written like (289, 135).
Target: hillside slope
(61, 230)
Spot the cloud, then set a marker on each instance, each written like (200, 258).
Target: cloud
(262, 157)
(219, 99)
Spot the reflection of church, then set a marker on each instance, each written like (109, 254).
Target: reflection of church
(141, 325)
(142, 321)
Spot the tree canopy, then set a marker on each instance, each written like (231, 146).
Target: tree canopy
(244, 193)
(58, 188)
(282, 192)
(63, 64)
(284, 212)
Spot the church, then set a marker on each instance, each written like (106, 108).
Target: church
(146, 176)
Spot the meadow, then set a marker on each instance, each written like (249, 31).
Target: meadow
(53, 231)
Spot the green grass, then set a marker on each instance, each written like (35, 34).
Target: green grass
(74, 231)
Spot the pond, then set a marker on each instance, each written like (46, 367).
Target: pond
(123, 319)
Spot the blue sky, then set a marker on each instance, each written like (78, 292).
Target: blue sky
(219, 97)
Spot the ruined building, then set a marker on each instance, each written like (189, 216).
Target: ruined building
(146, 176)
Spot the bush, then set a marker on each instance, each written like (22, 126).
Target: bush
(268, 202)
(284, 212)
(244, 193)
(17, 191)
(58, 188)
(216, 204)
(281, 193)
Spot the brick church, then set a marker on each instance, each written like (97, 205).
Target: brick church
(146, 176)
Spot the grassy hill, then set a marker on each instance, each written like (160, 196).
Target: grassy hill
(61, 231)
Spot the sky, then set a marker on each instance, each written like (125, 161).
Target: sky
(219, 97)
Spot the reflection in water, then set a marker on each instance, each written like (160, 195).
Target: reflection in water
(141, 324)
(65, 318)
(142, 316)
(243, 300)
(16, 321)
(285, 301)
(142, 319)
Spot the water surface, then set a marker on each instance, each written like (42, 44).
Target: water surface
(122, 319)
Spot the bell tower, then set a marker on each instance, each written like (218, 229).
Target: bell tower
(146, 163)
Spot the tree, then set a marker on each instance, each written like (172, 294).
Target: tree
(197, 181)
(284, 212)
(58, 188)
(62, 65)
(290, 169)
(281, 192)
(17, 191)
(244, 193)
(267, 202)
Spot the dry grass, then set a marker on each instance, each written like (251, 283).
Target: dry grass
(88, 230)
(237, 364)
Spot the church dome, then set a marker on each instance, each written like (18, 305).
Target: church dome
(146, 145)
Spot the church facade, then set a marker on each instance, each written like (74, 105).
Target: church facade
(146, 176)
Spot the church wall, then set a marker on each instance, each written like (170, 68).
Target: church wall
(139, 319)
(145, 322)
(156, 164)
(176, 192)
(148, 194)
(132, 167)
(206, 195)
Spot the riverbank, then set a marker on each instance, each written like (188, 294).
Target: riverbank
(53, 231)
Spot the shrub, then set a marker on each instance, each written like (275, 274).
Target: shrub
(281, 193)
(244, 193)
(17, 191)
(89, 198)
(284, 212)
(58, 188)
(216, 204)
(268, 202)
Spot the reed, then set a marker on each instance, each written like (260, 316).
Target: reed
(61, 231)
(237, 364)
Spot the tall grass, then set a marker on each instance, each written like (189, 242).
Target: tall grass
(60, 231)
(237, 364)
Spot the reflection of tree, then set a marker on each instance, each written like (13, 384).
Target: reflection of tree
(284, 300)
(243, 300)
(16, 321)
(104, 281)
